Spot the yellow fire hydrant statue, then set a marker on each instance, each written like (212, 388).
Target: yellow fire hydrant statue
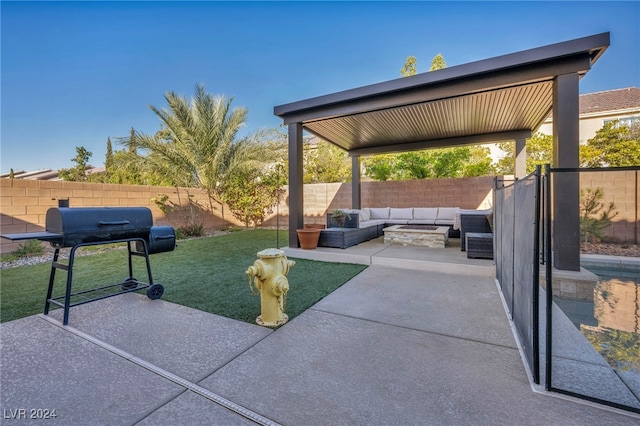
(269, 279)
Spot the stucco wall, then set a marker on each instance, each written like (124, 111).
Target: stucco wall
(588, 124)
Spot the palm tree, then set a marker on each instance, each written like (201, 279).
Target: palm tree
(198, 145)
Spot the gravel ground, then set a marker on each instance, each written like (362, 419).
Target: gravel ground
(48, 256)
(626, 250)
(64, 253)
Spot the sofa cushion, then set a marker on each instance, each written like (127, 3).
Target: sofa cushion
(368, 223)
(401, 214)
(469, 211)
(379, 212)
(447, 213)
(425, 213)
(365, 214)
(456, 224)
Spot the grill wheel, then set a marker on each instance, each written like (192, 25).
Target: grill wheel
(129, 283)
(155, 291)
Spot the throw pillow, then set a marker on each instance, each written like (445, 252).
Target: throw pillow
(379, 212)
(401, 214)
(425, 213)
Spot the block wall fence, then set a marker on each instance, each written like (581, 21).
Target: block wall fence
(621, 188)
(24, 203)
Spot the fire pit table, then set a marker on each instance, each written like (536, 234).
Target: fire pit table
(417, 235)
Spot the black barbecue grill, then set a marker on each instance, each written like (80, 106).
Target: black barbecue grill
(84, 226)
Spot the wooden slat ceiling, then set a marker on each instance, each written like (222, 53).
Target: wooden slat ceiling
(522, 107)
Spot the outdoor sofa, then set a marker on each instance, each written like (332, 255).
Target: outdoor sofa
(476, 233)
(369, 222)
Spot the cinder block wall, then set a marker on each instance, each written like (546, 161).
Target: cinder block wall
(320, 198)
(466, 193)
(24, 203)
(621, 188)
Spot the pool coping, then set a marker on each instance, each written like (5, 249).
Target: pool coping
(618, 263)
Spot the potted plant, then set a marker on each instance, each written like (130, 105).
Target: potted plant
(308, 238)
(340, 216)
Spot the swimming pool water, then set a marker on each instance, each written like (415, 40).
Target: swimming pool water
(610, 320)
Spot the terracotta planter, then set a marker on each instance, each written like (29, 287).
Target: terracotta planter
(308, 238)
(314, 226)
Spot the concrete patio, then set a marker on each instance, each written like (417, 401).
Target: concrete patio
(420, 337)
(375, 252)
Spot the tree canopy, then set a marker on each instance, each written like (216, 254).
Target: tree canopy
(325, 163)
(614, 145)
(410, 67)
(539, 151)
(434, 163)
(77, 173)
(438, 63)
(199, 145)
(467, 161)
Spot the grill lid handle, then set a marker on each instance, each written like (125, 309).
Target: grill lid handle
(113, 222)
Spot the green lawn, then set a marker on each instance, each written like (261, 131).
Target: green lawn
(206, 274)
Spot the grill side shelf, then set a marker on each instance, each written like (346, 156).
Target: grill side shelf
(43, 236)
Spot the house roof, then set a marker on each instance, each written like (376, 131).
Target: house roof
(44, 174)
(48, 174)
(501, 98)
(610, 100)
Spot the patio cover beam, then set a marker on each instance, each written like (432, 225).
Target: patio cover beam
(296, 185)
(439, 143)
(356, 185)
(566, 186)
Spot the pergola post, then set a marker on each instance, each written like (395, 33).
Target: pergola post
(356, 186)
(521, 158)
(566, 186)
(296, 187)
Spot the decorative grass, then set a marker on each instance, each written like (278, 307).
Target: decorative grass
(26, 249)
(206, 274)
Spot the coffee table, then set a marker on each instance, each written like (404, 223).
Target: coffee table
(417, 235)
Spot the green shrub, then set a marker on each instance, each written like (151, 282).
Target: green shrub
(189, 231)
(595, 217)
(235, 229)
(29, 248)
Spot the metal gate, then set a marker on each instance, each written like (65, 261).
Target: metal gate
(574, 365)
(517, 221)
(524, 237)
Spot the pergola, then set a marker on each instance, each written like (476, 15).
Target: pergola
(498, 99)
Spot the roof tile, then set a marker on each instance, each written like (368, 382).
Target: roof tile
(610, 100)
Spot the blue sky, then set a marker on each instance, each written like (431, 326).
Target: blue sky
(75, 73)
